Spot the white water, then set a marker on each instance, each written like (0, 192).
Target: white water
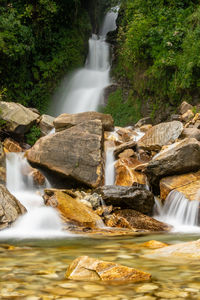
(110, 167)
(39, 221)
(179, 212)
(84, 91)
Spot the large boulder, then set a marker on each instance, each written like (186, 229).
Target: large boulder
(160, 135)
(134, 197)
(65, 121)
(10, 208)
(70, 208)
(2, 165)
(87, 268)
(19, 119)
(186, 184)
(46, 124)
(179, 158)
(74, 153)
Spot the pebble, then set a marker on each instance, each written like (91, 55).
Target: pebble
(146, 288)
(93, 288)
(145, 298)
(171, 295)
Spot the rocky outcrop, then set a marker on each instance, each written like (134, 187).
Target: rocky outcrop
(19, 119)
(186, 184)
(74, 153)
(65, 121)
(160, 135)
(71, 209)
(136, 198)
(2, 165)
(86, 268)
(179, 158)
(10, 208)
(46, 124)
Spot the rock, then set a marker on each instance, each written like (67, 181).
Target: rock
(94, 199)
(141, 222)
(143, 121)
(145, 128)
(184, 107)
(114, 220)
(126, 134)
(74, 153)
(188, 250)
(179, 158)
(71, 209)
(19, 119)
(2, 165)
(38, 177)
(128, 197)
(46, 124)
(160, 135)
(10, 208)
(186, 184)
(12, 146)
(66, 121)
(86, 268)
(125, 175)
(191, 133)
(187, 116)
(127, 153)
(123, 147)
(154, 244)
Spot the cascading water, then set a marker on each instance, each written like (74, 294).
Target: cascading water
(179, 212)
(83, 92)
(39, 221)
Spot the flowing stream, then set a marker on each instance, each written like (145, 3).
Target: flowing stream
(84, 90)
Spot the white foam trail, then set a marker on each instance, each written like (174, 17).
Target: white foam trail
(110, 167)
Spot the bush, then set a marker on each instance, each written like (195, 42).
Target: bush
(33, 135)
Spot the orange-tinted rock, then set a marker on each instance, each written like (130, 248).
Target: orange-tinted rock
(12, 146)
(2, 165)
(117, 221)
(184, 107)
(124, 146)
(154, 244)
(38, 177)
(86, 268)
(187, 116)
(128, 153)
(145, 128)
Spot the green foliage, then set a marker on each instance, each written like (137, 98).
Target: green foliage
(159, 48)
(33, 135)
(124, 113)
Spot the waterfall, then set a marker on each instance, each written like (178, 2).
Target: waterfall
(179, 212)
(39, 221)
(84, 90)
(110, 167)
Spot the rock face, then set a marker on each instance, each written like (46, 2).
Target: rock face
(71, 209)
(179, 158)
(10, 208)
(86, 268)
(187, 184)
(75, 153)
(188, 250)
(18, 118)
(46, 124)
(65, 121)
(160, 135)
(128, 197)
(2, 165)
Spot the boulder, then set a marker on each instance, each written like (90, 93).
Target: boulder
(179, 158)
(141, 222)
(123, 147)
(160, 135)
(10, 208)
(134, 197)
(2, 165)
(187, 184)
(125, 175)
(188, 250)
(184, 107)
(19, 119)
(86, 268)
(70, 208)
(12, 146)
(46, 124)
(153, 244)
(74, 153)
(66, 121)
(191, 133)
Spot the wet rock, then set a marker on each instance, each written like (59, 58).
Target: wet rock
(188, 250)
(74, 153)
(94, 199)
(19, 119)
(70, 208)
(160, 135)
(66, 121)
(187, 184)
(143, 121)
(10, 208)
(38, 177)
(123, 147)
(12, 146)
(126, 134)
(86, 268)
(141, 222)
(184, 107)
(134, 197)
(114, 220)
(154, 244)
(127, 153)
(179, 158)
(191, 133)
(46, 124)
(187, 116)
(125, 174)
(2, 165)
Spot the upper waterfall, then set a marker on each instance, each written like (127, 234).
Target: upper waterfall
(83, 91)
